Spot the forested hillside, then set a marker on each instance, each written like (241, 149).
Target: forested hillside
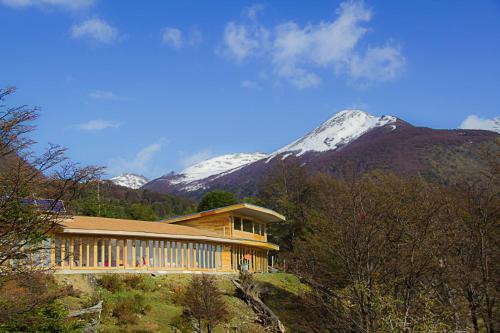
(109, 200)
(388, 254)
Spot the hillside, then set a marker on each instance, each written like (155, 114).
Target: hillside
(162, 298)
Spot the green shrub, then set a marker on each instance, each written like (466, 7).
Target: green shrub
(111, 282)
(182, 323)
(129, 307)
(140, 282)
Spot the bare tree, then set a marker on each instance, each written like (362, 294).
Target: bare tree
(25, 176)
(204, 301)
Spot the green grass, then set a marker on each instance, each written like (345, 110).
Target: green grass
(163, 297)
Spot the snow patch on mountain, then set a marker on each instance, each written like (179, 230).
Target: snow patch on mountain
(216, 166)
(129, 180)
(341, 129)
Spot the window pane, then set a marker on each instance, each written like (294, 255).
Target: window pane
(47, 248)
(91, 253)
(174, 257)
(162, 253)
(157, 256)
(179, 254)
(237, 223)
(120, 255)
(106, 246)
(137, 258)
(191, 255)
(144, 259)
(113, 252)
(130, 253)
(247, 225)
(202, 256)
(197, 249)
(185, 255)
(84, 252)
(219, 254)
(169, 258)
(151, 258)
(76, 252)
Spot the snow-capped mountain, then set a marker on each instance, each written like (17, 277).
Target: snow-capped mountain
(352, 141)
(129, 180)
(341, 129)
(195, 177)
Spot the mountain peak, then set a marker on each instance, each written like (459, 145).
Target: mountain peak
(342, 128)
(130, 180)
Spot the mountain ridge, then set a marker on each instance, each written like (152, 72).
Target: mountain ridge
(349, 139)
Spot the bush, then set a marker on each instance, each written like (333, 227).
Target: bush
(128, 308)
(140, 282)
(111, 282)
(29, 303)
(204, 301)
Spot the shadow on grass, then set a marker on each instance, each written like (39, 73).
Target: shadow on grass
(289, 307)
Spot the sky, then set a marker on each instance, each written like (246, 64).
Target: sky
(152, 87)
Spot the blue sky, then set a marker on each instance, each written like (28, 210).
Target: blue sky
(151, 87)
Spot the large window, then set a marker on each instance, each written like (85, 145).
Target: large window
(247, 225)
(237, 223)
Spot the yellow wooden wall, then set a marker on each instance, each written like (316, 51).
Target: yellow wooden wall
(220, 223)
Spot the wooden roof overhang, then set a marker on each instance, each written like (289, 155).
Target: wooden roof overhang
(132, 228)
(262, 214)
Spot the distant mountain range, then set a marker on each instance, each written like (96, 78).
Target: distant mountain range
(350, 140)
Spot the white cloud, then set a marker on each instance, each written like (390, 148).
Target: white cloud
(98, 125)
(243, 41)
(172, 37)
(102, 94)
(95, 29)
(253, 11)
(475, 122)
(197, 157)
(296, 53)
(141, 163)
(378, 64)
(64, 4)
(177, 39)
(248, 84)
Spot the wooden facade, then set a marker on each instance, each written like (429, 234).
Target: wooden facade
(213, 241)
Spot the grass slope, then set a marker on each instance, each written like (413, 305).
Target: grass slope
(162, 300)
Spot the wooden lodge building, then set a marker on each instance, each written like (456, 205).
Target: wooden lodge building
(219, 240)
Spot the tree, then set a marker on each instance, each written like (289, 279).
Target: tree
(24, 175)
(216, 199)
(29, 299)
(204, 301)
(472, 267)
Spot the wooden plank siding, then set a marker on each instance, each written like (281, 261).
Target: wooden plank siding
(221, 224)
